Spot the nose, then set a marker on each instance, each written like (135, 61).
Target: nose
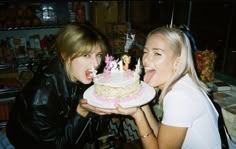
(95, 62)
(144, 59)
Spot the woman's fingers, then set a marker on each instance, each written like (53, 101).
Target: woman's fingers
(108, 111)
(94, 109)
(83, 101)
(126, 111)
(104, 111)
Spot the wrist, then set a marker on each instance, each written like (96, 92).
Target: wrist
(83, 114)
(81, 111)
(146, 135)
(138, 115)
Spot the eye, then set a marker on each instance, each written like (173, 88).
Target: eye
(100, 54)
(157, 54)
(86, 55)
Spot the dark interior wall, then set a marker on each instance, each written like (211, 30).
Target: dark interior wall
(210, 21)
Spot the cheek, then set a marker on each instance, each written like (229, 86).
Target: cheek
(76, 68)
(163, 64)
(159, 62)
(75, 65)
(163, 71)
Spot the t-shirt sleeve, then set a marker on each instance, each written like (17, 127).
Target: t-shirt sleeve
(178, 110)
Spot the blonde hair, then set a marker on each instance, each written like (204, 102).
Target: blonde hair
(75, 40)
(180, 46)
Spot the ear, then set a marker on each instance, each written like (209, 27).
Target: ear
(176, 63)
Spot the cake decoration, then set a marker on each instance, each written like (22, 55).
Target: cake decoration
(111, 63)
(117, 81)
(126, 61)
(93, 71)
(118, 85)
(138, 68)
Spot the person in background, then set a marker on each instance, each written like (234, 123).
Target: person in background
(47, 113)
(189, 119)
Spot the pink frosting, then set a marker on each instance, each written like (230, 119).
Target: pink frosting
(104, 75)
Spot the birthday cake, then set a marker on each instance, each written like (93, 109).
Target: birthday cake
(117, 80)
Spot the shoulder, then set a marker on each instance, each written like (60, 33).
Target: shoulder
(180, 109)
(40, 87)
(184, 89)
(182, 104)
(184, 93)
(48, 75)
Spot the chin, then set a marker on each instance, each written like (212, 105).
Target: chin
(154, 84)
(87, 81)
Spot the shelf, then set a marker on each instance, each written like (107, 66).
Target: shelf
(31, 28)
(8, 92)
(6, 66)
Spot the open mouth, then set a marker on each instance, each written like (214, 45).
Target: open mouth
(149, 72)
(89, 75)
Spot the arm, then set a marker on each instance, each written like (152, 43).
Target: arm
(145, 130)
(168, 137)
(50, 120)
(154, 124)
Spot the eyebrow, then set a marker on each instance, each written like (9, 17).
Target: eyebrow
(154, 49)
(157, 49)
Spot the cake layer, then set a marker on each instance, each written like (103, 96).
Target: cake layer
(117, 92)
(117, 84)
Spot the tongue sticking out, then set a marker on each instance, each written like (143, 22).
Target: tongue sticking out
(148, 76)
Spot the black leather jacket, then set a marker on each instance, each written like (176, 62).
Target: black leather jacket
(44, 114)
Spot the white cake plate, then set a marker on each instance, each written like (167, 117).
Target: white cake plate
(146, 94)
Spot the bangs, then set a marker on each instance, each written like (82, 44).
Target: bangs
(83, 49)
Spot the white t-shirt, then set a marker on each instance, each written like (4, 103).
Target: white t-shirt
(186, 106)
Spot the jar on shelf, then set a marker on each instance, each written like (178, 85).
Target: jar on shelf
(80, 13)
(205, 63)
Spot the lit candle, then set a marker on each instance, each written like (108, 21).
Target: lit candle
(120, 63)
(93, 71)
(138, 67)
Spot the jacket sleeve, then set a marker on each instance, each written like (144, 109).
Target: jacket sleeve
(50, 119)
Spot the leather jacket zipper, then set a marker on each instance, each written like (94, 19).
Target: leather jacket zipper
(88, 122)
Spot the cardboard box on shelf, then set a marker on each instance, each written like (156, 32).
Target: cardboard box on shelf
(221, 86)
